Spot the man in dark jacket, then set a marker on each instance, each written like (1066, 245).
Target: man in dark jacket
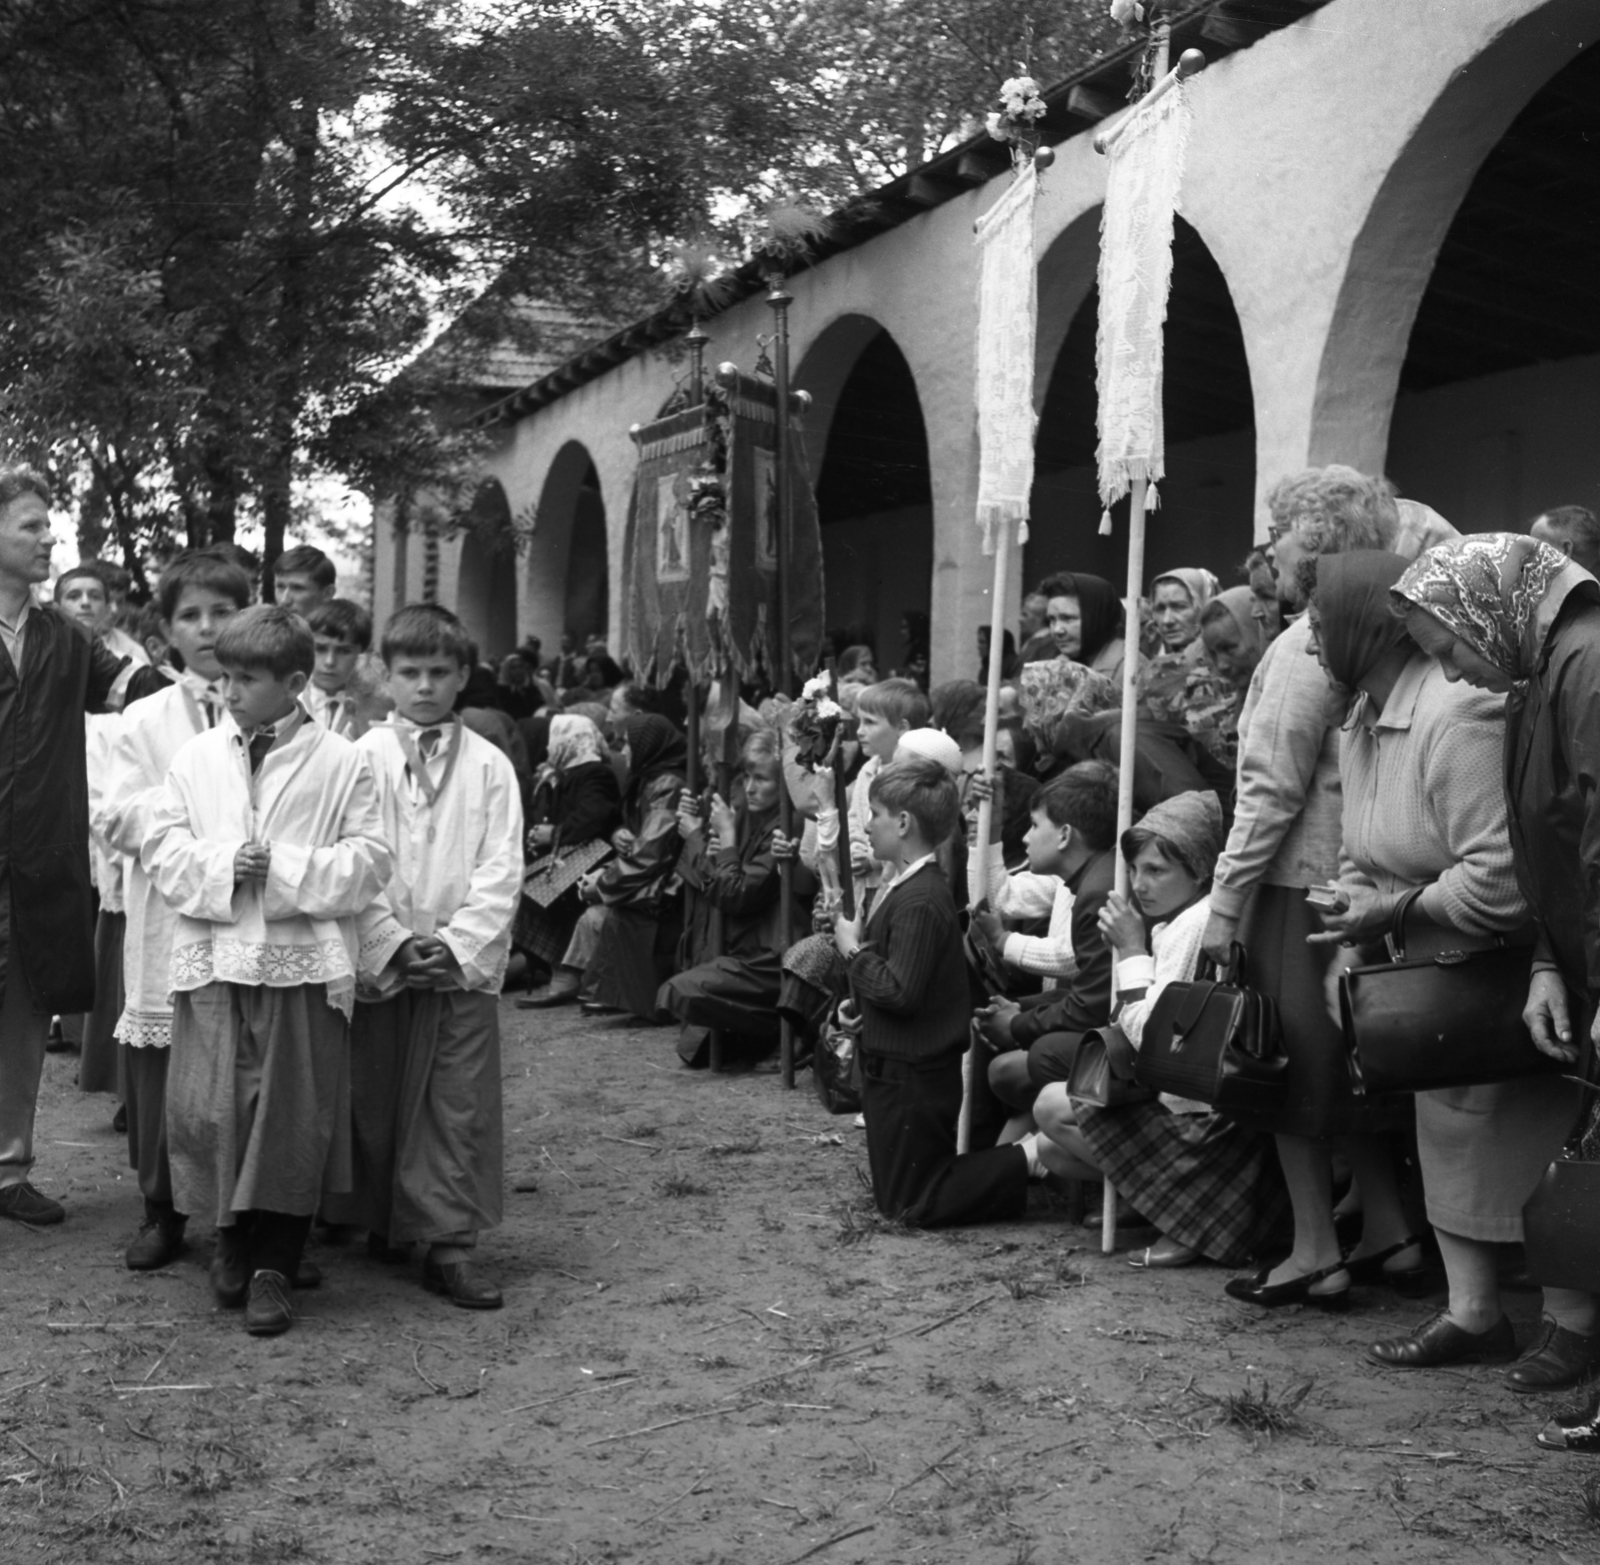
(50, 674)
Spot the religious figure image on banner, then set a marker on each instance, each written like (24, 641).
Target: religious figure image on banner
(766, 487)
(672, 529)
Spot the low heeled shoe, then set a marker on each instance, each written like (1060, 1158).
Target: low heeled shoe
(1441, 1341)
(1557, 1358)
(1574, 1431)
(1297, 1290)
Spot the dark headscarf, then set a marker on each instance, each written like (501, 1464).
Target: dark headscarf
(1356, 625)
(1099, 607)
(654, 747)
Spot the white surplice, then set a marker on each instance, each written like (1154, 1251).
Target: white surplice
(458, 860)
(314, 801)
(107, 868)
(146, 739)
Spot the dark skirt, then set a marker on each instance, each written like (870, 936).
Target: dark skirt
(1318, 1102)
(1203, 1180)
(633, 957)
(97, 1064)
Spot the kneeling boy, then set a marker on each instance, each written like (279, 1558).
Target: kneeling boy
(267, 843)
(426, 1062)
(909, 977)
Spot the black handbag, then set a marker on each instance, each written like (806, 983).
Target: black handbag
(1561, 1221)
(1449, 1018)
(1103, 1073)
(1215, 1041)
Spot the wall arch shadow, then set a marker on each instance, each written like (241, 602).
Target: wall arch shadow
(1394, 255)
(565, 574)
(868, 452)
(486, 583)
(1204, 517)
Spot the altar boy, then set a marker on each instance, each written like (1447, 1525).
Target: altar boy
(426, 1062)
(267, 843)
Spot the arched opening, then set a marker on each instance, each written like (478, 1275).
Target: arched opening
(566, 573)
(1204, 516)
(869, 455)
(486, 586)
(1494, 418)
(1393, 260)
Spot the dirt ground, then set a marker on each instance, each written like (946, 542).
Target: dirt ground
(712, 1351)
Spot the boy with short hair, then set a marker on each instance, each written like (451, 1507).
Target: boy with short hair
(302, 578)
(425, 1062)
(267, 843)
(342, 696)
(909, 979)
(885, 713)
(198, 595)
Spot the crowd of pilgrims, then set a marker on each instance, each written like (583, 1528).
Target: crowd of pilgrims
(1378, 705)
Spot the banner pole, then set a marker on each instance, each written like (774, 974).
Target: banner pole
(784, 676)
(978, 859)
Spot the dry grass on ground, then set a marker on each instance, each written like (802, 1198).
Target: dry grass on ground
(713, 1350)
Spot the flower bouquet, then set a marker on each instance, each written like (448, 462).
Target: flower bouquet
(814, 723)
(1017, 119)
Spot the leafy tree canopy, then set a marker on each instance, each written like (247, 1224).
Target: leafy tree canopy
(229, 222)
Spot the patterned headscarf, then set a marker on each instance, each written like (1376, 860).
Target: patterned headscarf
(1356, 625)
(1061, 688)
(574, 741)
(1499, 592)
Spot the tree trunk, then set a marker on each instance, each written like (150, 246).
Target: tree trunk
(293, 318)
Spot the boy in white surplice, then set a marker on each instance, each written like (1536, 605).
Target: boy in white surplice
(425, 1060)
(267, 843)
(199, 594)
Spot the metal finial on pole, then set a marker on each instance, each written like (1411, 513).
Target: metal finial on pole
(697, 339)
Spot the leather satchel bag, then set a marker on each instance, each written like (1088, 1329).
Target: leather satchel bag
(1103, 1073)
(1561, 1222)
(1449, 1018)
(1215, 1041)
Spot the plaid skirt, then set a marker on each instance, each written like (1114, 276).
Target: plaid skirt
(546, 932)
(1200, 1178)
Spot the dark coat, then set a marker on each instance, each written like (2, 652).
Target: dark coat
(1084, 1000)
(744, 884)
(1553, 793)
(582, 803)
(44, 807)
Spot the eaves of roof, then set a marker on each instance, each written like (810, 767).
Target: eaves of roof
(1076, 103)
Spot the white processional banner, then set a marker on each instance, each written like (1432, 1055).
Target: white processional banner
(1142, 184)
(1008, 315)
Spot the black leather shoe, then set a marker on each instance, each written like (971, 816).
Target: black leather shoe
(457, 1281)
(1557, 1359)
(23, 1204)
(1441, 1341)
(1370, 1268)
(268, 1313)
(307, 1275)
(1297, 1290)
(1574, 1431)
(230, 1269)
(160, 1240)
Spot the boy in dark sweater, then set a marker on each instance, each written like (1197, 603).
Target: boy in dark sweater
(909, 979)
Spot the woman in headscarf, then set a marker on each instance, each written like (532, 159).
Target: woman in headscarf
(576, 803)
(1234, 639)
(1421, 762)
(621, 951)
(1084, 617)
(1210, 1186)
(1515, 618)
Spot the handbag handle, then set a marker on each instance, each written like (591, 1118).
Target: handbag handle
(1397, 925)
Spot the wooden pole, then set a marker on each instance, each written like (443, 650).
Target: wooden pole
(725, 766)
(780, 302)
(978, 860)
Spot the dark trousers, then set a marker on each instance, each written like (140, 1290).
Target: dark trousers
(266, 1241)
(144, 1073)
(917, 1176)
